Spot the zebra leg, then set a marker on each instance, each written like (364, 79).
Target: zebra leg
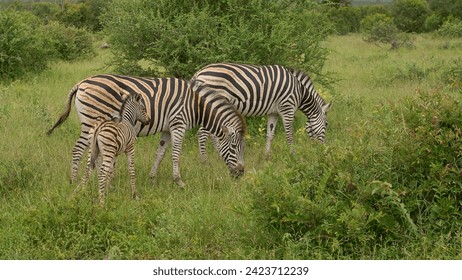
(77, 152)
(105, 170)
(131, 169)
(287, 121)
(112, 174)
(270, 129)
(164, 142)
(177, 143)
(86, 175)
(202, 135)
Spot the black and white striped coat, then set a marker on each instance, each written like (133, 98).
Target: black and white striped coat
(110, 138)
(271, 91)
(173, 107)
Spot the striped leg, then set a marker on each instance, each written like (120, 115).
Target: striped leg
(287, 121)
(131, 169)
(202, 134)
(77, 152)
(177, 143)
(103, 175)
(164, 142)
(270, 128)
(86, 175)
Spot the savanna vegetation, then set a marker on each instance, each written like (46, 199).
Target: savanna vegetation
(387, 184)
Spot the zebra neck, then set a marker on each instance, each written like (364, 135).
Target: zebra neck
(129, 119)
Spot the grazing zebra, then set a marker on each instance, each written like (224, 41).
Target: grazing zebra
(266, 90)
(173, 108)
(108, 139)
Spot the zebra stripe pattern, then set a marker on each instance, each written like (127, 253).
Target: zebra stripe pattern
(109, 139)
(173, 107)
(266, 91)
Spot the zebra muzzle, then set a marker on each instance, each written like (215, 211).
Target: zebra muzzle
(238, 170)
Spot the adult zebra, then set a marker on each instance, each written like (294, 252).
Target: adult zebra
(173, 107)
(266, 90)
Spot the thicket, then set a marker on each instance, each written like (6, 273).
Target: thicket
(403, 183)
(181, 38)
(28, 43)
(177, 37)
(22, 46)
(408, 16)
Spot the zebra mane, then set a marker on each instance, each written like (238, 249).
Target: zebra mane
(131, 96)
(307, 83)
(205, 92)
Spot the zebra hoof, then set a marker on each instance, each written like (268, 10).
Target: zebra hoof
(203, 158)
(153, 180)
(180, 183)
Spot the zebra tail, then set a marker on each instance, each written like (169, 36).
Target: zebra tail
(66, 112)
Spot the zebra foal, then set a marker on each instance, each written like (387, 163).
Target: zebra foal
(272, 90)
(110, 138)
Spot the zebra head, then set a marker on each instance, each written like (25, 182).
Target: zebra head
(133, 109)
(231, 149)
(317, 124)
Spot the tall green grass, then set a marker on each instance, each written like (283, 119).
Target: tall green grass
(357, 196)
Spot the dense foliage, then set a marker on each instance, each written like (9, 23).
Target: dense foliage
(22, 47)
(361, 195)
(410, 15)
(181, 38)
(177, 37)
(28, 43)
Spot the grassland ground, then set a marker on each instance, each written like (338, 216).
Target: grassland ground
(340, 200)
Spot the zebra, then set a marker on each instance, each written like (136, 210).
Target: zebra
(271, 90)
(109, 138)
(173, 107)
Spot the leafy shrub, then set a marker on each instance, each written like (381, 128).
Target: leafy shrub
(180, 38)
(451, 28)
(345, 19)
(335, 204)
(379, 28)
(394, 179)
(433, 22)
(428, 159)
(446, 8)
(452, 75)
(84, 14)
(22, 47)
(69, 42)
(410, 15)
(45, 11)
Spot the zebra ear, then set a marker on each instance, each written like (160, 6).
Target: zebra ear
(137, 96)
(326, 107)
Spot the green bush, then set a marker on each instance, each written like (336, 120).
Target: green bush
(446, 8)
(45, 11)
(451, 28)
(394, 179)
(84, 14)
(345, 19)
(410, 15)
(433, 22)
(428, 159)
(177, 38)
(69, 42)
(23, 48)
(452, 75)
(379, 28)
